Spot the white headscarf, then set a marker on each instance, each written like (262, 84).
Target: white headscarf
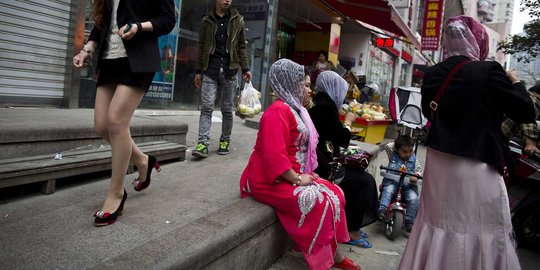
(287, 82)
(334, 85)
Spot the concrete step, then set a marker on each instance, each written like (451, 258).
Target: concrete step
(242, 235)
(191, 217)
(29, 132)
(46, 169)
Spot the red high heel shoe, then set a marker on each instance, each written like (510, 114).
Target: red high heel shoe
(346, 264)
(105, 218)
(152, 163)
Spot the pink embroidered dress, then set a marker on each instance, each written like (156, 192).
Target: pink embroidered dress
(312, 215)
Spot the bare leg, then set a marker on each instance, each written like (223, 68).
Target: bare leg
(121, 107)
(355, 235)
(339, 257)
(104, 95)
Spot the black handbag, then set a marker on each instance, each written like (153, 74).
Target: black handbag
(337, 171)
(356, 160)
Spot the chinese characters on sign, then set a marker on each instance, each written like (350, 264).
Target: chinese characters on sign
(384, 42)
(431, 33)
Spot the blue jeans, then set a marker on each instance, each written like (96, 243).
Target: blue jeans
(410, 194)
(227, 86)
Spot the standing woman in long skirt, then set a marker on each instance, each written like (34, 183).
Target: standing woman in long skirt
(126, 35)
(463, 220)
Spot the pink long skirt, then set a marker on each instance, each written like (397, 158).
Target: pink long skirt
(464, 219)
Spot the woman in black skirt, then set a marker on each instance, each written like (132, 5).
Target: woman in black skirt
(126, 35)
(359, 186)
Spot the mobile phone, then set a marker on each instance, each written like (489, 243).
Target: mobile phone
(128, 27)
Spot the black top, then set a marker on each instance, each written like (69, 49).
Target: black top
(142, 49)
(220, 58)
(325, 117)
(468, 119)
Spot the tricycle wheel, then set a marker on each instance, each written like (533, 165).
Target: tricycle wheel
(526, 224)
(394, 225)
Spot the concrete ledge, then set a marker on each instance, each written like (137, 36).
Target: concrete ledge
(243, 235)
(30, 132)
(251, 123)
(19, 171)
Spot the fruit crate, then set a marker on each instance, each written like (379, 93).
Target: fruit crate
(372, 131)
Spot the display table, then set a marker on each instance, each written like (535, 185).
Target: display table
(371, 131)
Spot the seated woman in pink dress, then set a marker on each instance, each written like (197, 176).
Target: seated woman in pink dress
(280, 173)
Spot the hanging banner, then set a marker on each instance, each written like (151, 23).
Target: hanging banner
(431, 34)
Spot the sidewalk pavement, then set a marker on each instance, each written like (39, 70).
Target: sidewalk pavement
(57, 231)
(386, 254)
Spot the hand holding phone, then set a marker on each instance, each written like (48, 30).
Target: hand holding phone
(128, 27)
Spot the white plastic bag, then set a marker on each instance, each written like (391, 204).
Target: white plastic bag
(249, 104)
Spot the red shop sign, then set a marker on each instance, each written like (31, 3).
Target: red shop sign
(384, 42)
(431, 33)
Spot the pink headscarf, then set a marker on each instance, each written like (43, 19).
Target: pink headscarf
(465, 36)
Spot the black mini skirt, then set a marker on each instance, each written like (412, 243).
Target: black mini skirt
(117, 71)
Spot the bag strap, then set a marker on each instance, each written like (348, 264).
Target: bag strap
(435, 102)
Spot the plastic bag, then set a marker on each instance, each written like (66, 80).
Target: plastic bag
(249, 104)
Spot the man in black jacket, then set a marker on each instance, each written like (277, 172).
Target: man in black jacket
(222, 51)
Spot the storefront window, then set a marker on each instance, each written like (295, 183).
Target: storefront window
(286, 38)
(403, 74)
(380, 71)
(185, 96)
(87, 89)
(179, 55)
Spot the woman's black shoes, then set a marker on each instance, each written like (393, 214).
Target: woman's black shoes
(105, 218)
(142, 185)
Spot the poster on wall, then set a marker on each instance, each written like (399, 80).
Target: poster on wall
(163, 84)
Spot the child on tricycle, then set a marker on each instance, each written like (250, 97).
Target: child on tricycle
(403, 160)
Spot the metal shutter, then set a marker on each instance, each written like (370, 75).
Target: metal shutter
(33, 50)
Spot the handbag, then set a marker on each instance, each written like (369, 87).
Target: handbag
(336, 170)
(353, 158)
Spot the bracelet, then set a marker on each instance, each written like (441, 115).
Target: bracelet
(299, 181)
(88, 49)
(516, 81)
(139, 27)
(347, 127)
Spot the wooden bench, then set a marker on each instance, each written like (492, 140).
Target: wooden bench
(46, 169)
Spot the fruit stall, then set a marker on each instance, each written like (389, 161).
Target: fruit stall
(370, 124)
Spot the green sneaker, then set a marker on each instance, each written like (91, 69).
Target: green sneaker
(223, 148)
(201, 151)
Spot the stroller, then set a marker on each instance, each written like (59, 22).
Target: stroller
(405, 110)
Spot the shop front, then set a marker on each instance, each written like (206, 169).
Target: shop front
(304, 29)
(380, 71)
(186, 96)
(173, 86)
(36, 46)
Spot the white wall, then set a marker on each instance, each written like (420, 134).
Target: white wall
(355, 45)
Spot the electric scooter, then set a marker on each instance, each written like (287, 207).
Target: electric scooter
(395, 213)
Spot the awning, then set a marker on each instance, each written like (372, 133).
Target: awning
(419, 59)
(378, 13)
